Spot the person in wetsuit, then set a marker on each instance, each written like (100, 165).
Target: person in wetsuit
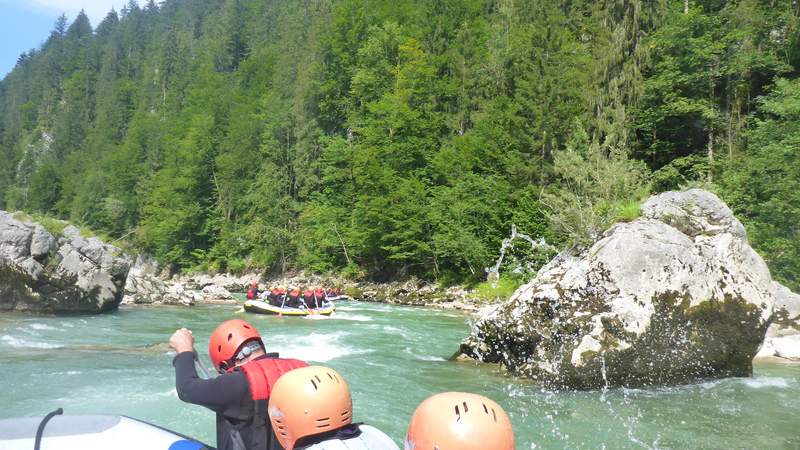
(253, 292)
(313, 410)
(459, 421)
(294, 299)
(239, 395)
(276, 296)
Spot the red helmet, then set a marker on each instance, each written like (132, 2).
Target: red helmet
(255, 284)
(227, 338)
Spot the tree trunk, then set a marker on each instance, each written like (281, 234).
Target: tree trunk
(344, 247)
(686, 6)
(710, 154)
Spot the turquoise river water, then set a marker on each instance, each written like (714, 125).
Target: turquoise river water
(393, 357)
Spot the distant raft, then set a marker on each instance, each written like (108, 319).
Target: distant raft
(90, 432)
(261, 307)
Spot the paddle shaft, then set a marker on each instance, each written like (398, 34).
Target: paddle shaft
(201, 366)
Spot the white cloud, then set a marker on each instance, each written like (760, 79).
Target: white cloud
(95, 9)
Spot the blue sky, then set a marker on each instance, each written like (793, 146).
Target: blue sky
(25, 24)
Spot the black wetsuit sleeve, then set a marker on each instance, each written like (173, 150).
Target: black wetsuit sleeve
(218, 394)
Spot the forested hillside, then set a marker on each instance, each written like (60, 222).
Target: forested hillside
(404, 137)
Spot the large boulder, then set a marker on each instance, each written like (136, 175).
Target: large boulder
(69, 273)
(674, 296)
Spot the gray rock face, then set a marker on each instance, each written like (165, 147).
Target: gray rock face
(228, 282)
(144, 287)
(71, 274)
(216, 292)
(675, 296)
(783, 335)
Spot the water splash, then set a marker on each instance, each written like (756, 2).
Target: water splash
(493, 273)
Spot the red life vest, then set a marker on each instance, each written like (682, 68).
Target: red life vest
(251, 294)
(263, 373)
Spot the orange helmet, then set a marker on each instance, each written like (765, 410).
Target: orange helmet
(459, 421)
(227, 338)
(309, 401)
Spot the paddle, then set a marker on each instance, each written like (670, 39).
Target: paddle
(283, 302)
(311, 312)
(199, 364)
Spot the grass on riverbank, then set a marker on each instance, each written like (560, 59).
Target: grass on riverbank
(486, 292)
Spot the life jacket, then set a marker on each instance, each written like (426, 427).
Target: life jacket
(320, 294)
(308, 295)
(252, 293)
(250, 428)
(263, 373)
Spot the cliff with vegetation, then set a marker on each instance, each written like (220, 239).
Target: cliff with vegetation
(391, 139)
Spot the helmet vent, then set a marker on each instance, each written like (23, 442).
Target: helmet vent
(230, 336)
(458, 414)
(331, 376)
(466, 409)
(315, 385)
(494, 415)
(325, 422)
(317, 377)
(246, 326)
(485, 409)
(219, 348)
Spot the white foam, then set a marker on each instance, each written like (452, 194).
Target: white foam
(766, 382)
(68, 372)
(411, 352)
(20, 343)
(170, 393)
(42, 326)
(353, 317)
(429, 358)
(396, 331)
(317, 347)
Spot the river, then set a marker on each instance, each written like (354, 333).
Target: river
(393, 357)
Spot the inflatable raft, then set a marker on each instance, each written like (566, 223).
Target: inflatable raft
(90, 432)
(261, 307)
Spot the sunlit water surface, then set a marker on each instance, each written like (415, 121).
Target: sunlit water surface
(393, 357)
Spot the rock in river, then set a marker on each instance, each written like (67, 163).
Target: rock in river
(675, 296)
(69, 273)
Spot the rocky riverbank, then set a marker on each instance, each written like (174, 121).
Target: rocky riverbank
(145, 286)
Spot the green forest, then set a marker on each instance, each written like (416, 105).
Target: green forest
(390, 139)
